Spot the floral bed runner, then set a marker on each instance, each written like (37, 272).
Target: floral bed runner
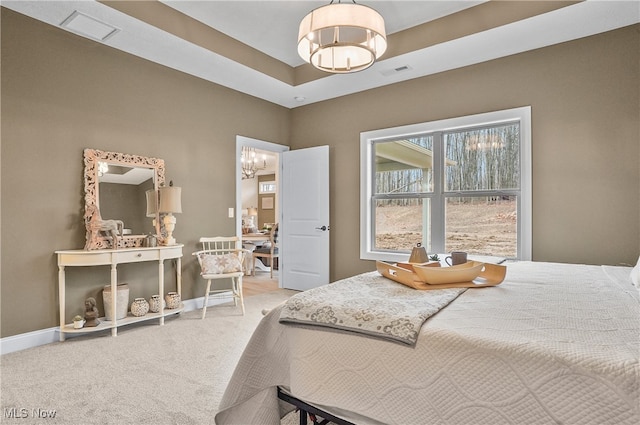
(369, 304)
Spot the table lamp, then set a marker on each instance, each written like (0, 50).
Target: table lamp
(170, 203)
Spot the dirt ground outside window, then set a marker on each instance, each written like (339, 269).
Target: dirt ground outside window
(484, 229)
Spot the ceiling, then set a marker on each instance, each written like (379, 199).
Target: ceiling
(250, 46)
(272, 26)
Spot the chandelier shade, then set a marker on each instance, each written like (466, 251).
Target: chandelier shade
(342, 38)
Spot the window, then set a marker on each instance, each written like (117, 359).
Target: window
(267, 187)
(456, 184)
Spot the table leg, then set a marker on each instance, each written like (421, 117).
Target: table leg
(179, 275)
(161, 286)
(114, 293)
(61, 301)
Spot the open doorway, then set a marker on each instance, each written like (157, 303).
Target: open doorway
(258, 205)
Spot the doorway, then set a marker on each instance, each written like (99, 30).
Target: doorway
(258, 205)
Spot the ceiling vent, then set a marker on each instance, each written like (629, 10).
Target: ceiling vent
(394, 71)
(89, 27)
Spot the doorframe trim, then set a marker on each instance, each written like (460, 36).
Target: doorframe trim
(243, 141)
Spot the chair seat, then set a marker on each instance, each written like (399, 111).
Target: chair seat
(221, 275)
(265, 251)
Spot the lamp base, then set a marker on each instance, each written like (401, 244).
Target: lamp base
(169, 224)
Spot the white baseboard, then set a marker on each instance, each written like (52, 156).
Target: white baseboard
(28, 340)
(32, 339)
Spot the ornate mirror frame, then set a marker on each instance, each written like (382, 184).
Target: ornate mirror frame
(91, 194)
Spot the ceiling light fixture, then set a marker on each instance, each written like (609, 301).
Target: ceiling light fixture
(250, 164)
(342, 38)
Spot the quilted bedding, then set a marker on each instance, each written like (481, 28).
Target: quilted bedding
(370, 304)
(554, 343)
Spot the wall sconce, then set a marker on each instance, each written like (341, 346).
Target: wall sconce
(170, 203)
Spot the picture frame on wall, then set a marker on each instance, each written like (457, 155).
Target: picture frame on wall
(267, 203)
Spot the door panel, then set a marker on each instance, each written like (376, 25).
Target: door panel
(304, 245)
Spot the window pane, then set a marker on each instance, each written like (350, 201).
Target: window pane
(404, 166)
(399, 224)
(482, 225)
(483, 159)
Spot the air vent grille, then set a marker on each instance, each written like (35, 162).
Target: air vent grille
(89, 27)
(397, 70)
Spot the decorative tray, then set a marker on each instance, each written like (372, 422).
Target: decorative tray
(472, 274)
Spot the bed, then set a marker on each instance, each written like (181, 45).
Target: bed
(554, 343)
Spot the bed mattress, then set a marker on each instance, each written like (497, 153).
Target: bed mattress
(554, 343)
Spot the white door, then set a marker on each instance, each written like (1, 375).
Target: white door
(304, 230)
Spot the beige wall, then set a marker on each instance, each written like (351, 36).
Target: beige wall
(62, 93)
(585, 142)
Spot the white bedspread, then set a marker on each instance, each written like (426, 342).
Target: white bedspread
(554, 343)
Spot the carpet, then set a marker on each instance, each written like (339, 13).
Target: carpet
(148, 374)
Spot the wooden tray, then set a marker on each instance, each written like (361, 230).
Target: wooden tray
(440, 275)
(488, 275)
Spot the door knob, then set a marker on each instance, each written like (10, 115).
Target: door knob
(323, 228)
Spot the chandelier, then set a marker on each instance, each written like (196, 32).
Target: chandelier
(250, 163)
(342, 38)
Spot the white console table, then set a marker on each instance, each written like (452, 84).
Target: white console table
(113, 257)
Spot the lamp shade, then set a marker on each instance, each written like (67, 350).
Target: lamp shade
(342, 38)
(152, 203)
(170, 199)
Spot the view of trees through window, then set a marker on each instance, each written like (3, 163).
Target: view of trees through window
(475, 195)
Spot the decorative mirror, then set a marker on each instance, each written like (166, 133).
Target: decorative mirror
(117, 214)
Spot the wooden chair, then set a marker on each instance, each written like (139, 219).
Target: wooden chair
(270, 252)
(222, 258)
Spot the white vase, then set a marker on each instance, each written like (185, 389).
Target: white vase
(139, 307)
(122, 301)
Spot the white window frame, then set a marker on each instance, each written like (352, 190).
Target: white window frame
(368, 138)
(267, 187)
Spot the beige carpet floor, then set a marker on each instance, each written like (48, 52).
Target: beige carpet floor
(148, 374)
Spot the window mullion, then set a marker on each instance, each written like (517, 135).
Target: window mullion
(480, 193)
(437, 202)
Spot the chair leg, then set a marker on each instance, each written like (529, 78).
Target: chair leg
(240, 294)
(206, 299)
(254, 266)
(271, 266)
(234, 290)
